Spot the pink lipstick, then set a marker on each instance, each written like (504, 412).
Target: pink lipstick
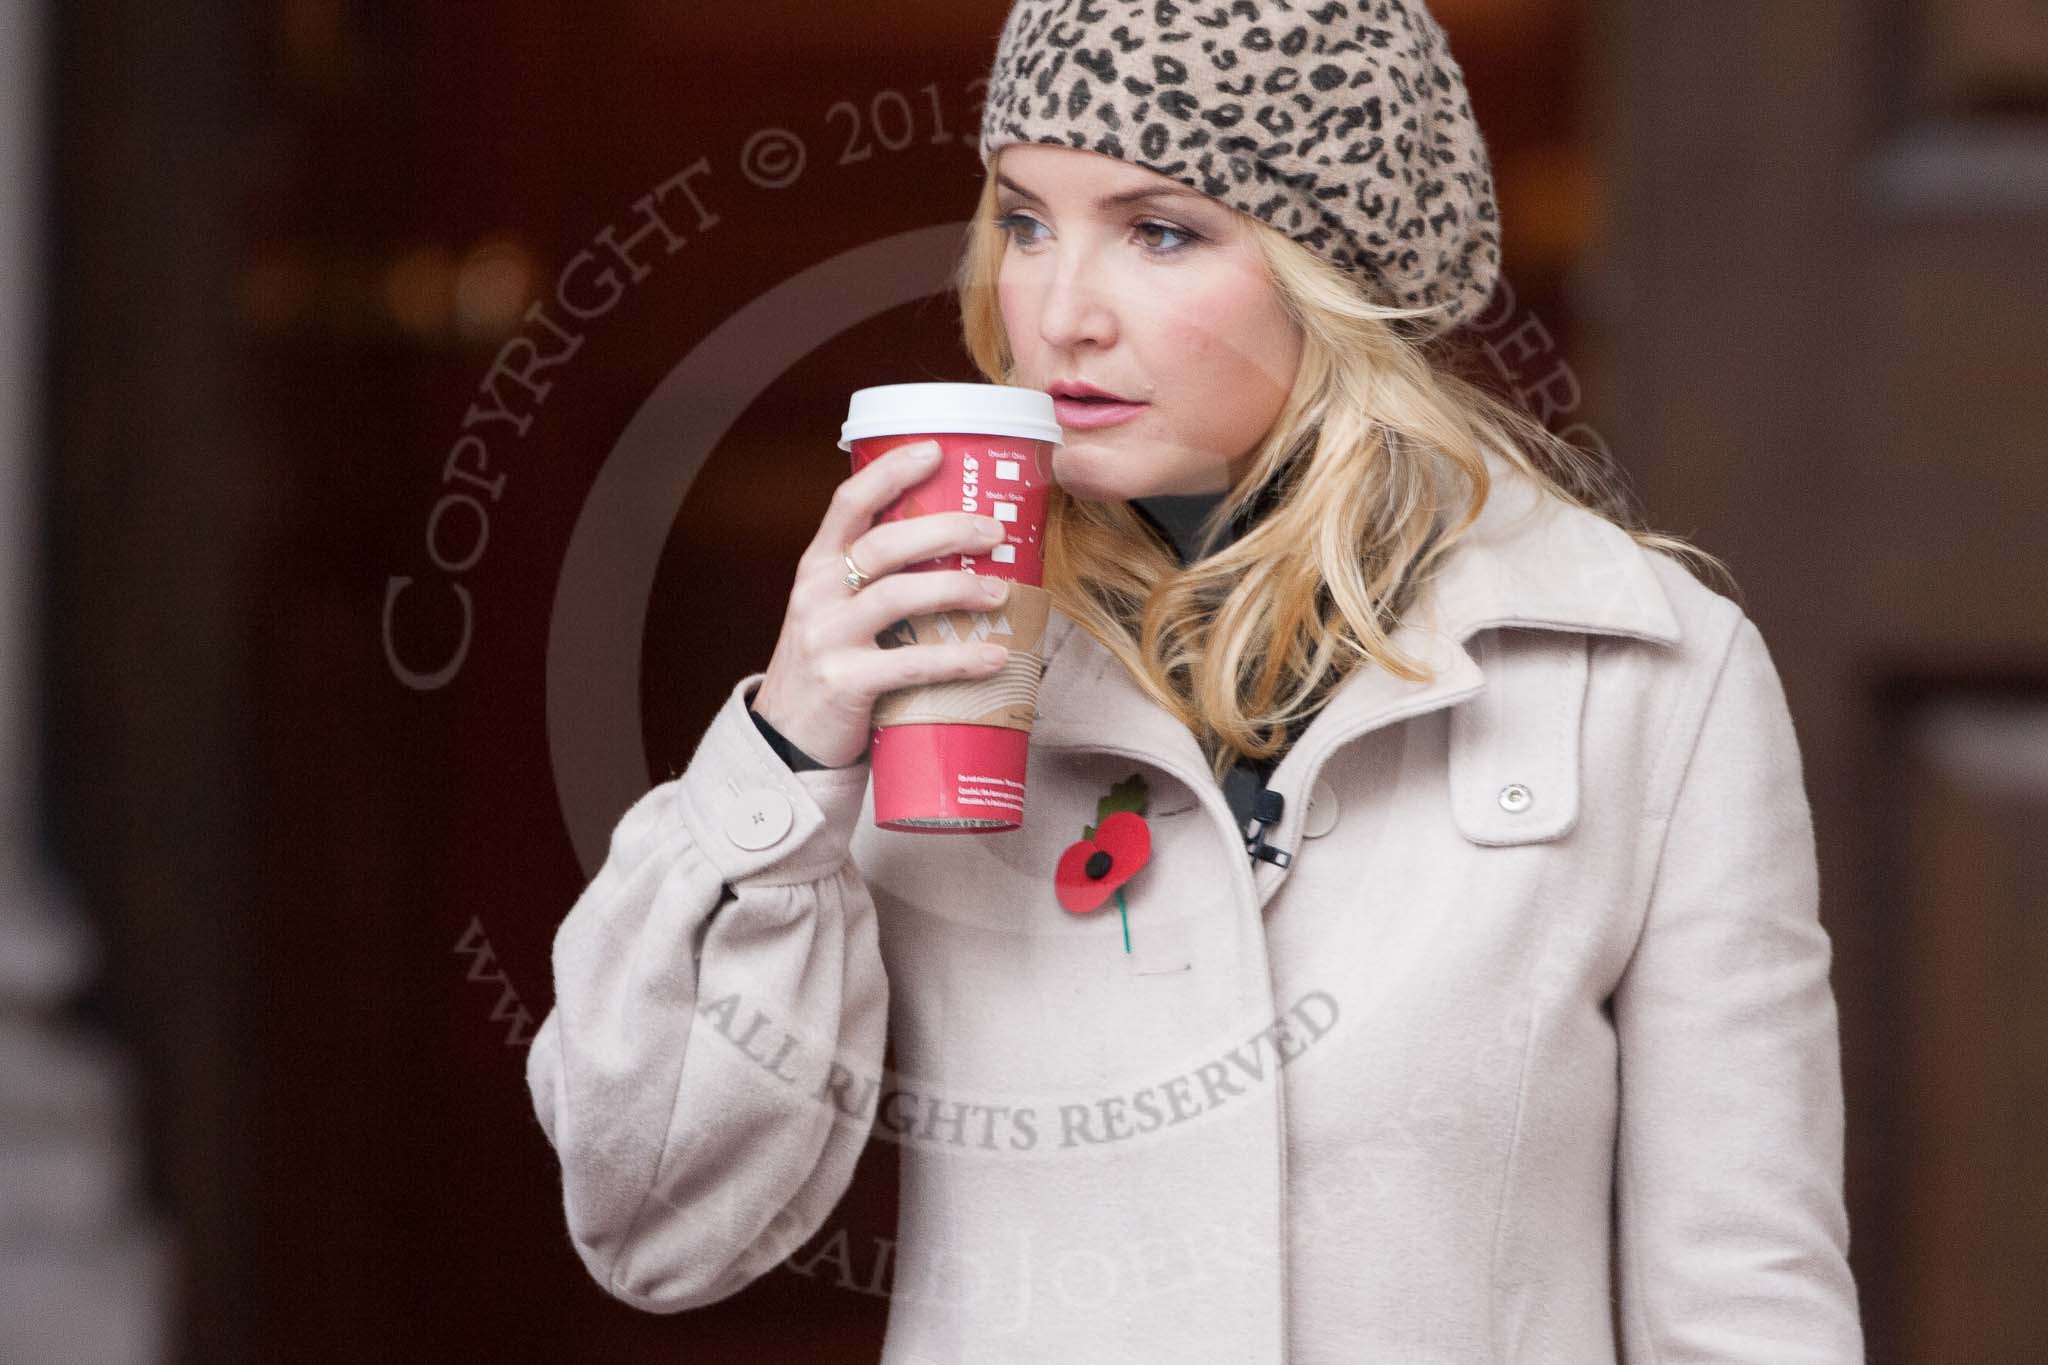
(1084, 407)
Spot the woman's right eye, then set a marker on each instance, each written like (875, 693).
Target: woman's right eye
(1009, 223)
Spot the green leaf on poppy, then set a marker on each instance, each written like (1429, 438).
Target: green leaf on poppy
(1131, 794)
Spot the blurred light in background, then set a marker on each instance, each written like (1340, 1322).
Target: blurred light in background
(492, 287)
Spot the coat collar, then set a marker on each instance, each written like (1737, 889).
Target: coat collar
(1528, 560)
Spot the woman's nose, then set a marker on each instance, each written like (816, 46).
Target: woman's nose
(1077, 307)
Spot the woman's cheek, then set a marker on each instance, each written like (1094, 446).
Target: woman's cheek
(1218, 372)
(1013, 303)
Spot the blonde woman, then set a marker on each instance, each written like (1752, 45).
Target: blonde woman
(1472, 1002)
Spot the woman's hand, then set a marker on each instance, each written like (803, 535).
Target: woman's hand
(828, 671)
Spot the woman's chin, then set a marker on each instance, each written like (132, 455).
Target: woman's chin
(1090, 470)
(1077, 482)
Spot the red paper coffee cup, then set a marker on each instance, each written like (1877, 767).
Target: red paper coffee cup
(949, 758)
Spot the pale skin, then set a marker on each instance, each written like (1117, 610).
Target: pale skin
(1161, 300)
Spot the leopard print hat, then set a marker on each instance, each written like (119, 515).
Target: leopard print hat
(1344, 125)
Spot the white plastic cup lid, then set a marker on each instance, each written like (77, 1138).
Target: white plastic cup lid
(982, 409)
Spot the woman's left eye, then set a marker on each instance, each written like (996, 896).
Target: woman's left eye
(1170, 230)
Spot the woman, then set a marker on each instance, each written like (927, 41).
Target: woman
(1473, 1002)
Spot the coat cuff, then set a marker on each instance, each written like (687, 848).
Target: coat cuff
(754, 818)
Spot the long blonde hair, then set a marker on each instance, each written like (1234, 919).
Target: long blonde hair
(1245, 641)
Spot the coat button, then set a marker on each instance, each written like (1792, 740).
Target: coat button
(1322, 810)
(758, 818)
(1515, 797)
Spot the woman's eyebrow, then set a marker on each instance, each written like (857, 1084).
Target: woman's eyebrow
(1111, 201)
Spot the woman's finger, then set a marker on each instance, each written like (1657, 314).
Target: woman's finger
(861, 496)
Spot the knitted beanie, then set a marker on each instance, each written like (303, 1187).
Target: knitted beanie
(1344, 125)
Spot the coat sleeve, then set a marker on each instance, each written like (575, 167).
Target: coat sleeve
(1730, 1215)
(720, 1011)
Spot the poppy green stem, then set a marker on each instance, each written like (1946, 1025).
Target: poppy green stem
(1124, 915)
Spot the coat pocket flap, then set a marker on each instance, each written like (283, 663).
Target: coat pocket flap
(1514, 756)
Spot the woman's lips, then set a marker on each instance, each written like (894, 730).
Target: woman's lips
(1093, 416)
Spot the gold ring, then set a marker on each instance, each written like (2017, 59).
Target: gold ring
(854, 578)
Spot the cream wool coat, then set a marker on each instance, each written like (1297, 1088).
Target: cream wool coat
(1530, 1055)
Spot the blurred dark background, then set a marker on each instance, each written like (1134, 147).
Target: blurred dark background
(300, 415)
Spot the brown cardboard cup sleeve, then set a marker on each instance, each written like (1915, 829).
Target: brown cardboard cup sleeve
(1008, 698)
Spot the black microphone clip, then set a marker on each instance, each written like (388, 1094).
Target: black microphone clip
(1267, 808)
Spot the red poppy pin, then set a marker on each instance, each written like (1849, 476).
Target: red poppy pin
(1109, 853)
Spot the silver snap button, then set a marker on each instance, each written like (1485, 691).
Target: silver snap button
(1322, 810)
(759, 818)
(1515, 797)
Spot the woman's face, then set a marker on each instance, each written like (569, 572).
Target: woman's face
(1161, 299)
